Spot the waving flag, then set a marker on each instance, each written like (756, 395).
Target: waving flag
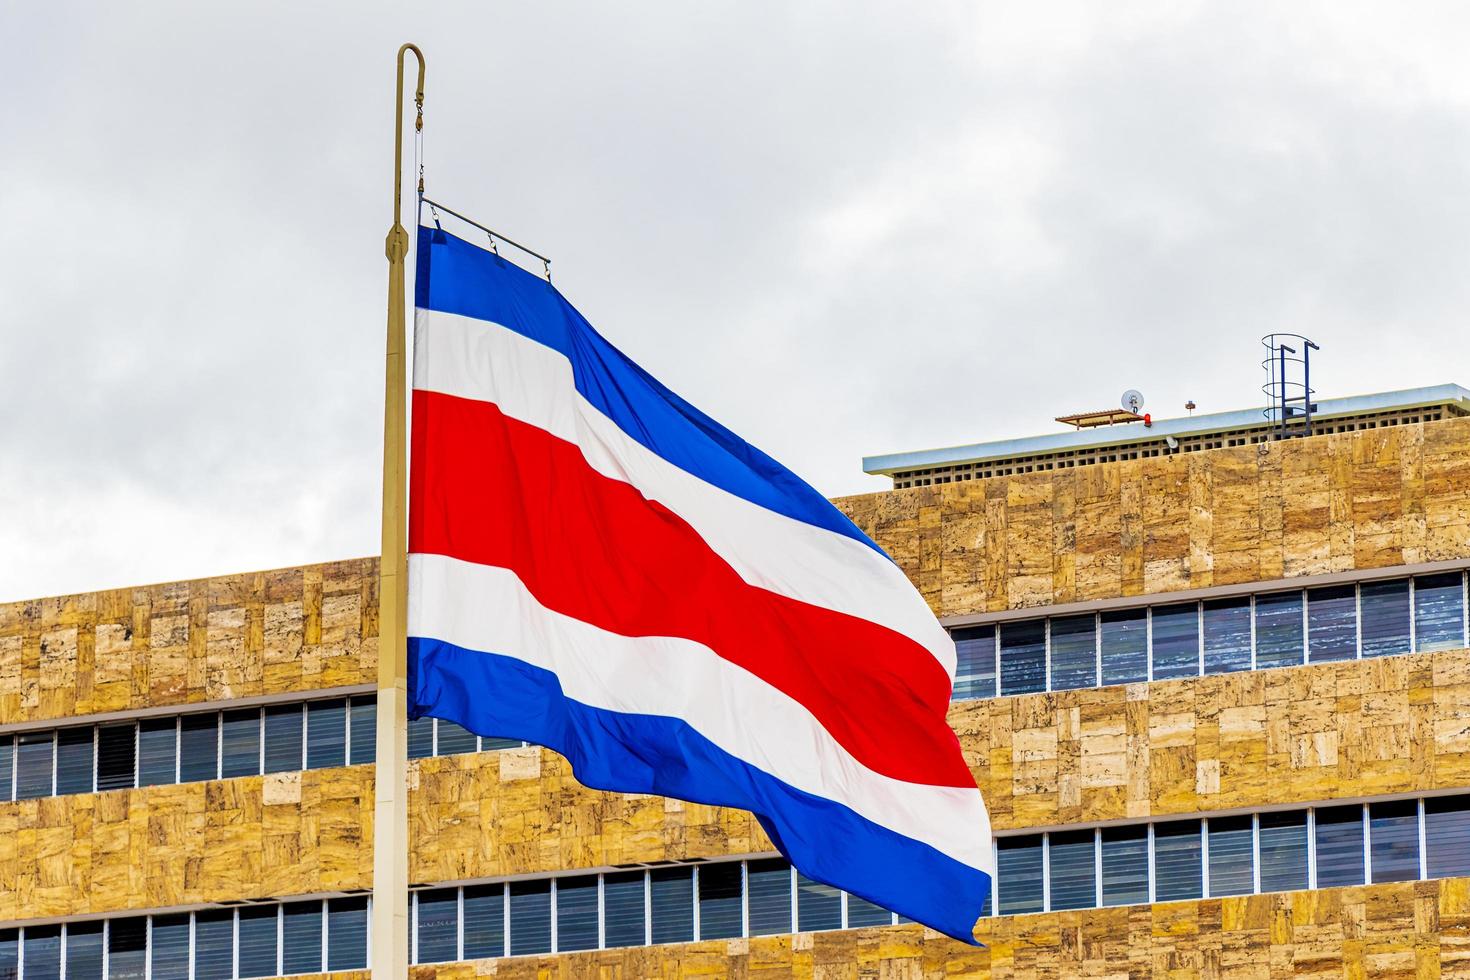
(597, 567)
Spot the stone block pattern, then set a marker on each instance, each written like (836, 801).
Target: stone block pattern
(260, 633)
(1370, 499)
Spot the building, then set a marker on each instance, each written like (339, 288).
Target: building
(1213, 683)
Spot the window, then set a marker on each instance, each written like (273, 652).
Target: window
(1332, 623)
(1177, 855)
(1124, 865)
(1279, 640)
(490, 744)
(1227, 635)
(301, 928)
(1283, 851)
(240, 743)
(1124, 646)
(9, 953)
(1393, 836)
(671, 894)
(1023, 657)
(861, 912)
(455, 740)
(1073, 652)
(818, 906)
(576, 911)
(1385, 617)
(1176, 641)
(117, 747)
(7, 770)
(75, 765)
(1073, 870)
(326, 734)
(719, 901)
(622, 902)
(214, 944)
(484, 921)
(283, 741)
(363, 743)
(258, 927)
(769, 895)
(42, 953)
(198, 749)
(1439, 612)
(530, 917)
(437, 925)
(170, 947)
(1447, 837)
(974, 662)
(1018, 867)
(1339, 846)
(1232, 861)
(420, 738)
(84, 951)
(34, 759)
(346, 934)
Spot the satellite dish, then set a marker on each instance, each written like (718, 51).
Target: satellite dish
(1133, 401)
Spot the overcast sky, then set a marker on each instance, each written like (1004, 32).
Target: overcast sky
(840, 228)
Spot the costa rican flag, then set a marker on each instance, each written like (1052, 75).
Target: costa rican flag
(598, 567)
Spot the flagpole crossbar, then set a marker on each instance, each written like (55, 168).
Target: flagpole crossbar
(495, 236)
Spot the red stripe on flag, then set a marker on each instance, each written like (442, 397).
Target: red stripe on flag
(489, 489)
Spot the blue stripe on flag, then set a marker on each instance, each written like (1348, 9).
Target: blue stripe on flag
(457, 277)
(495, 695)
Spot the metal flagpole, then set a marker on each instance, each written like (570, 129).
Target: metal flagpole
(390, 810)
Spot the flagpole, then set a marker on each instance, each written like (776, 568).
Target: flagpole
(390, 808)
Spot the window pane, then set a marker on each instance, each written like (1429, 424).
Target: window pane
(258, 928)
(1125, 865)
(484, 921)
(9, 954)
(1284, 851)
(530, 917)
(437, 924)
(116, 756)
(326, 734)
(861, 912)
(576, 913)
(454, 740)
(1232, 859)
(1279, 640)
(769, 882)
(974, 675)
(420, 738)
(1177, 861)
(84, 951)
(1019, 871)
(34, 760)
(1073, 652)
(170, 947)
(1023, 657)
(363, 747)
(1385, 617)
(672, 893)
(42, 954)
(622, 903)
(719, 900)
(1332, 623)
(1439, 612)
(240, 748)
(158, 751)
(1227, 635)
(1125, 646)
(74, 763)
(818, 906)
(1176, 641)
(283, 742)
(346, 934)
(127, 945)
(7, 767)
(1073, 870)
(198, 747)
(301, 948)
(214, 944)
(489, 744)
(1393, 833)
(1447, 836)
(1339, 846)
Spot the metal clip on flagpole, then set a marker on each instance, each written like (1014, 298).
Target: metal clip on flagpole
(389, 926)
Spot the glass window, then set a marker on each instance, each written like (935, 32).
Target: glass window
(769, 884)
(1283, 851)
(1232, 856)
(622, 904)
(1019, 869)
(301, 926)
(1339, 846)
(719, 900)
(1393, 835)
(363, 745)
(420, 738)
(1176, 641)
(326, 734)
(1332, 623)
(84, 951)
(1279, 639)
(818, 906)
(974, 675)
(240, 743)
(1447, 836)
(346, 934)
(283, 741)
(158, 751)
(116, 756)
(1439, 612)
(214, 944)
(170, 947)
(1125, 865)
(198, 747)
(1124, 646)
(1073, 652)
(490, 744)
(74, 762)
(258, 927)
(1227, 635)
(530, 917)
(1177, 855)
(484, 921)
(671, 892)
(127, 948)
(34, 760)
(9, 953)
(1023, 657)
(861, 912)
(42, 954)
(7, 768)
(1073, 870)
(576, 912)
(437, 925)
(455, 740)
(1385, 617)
